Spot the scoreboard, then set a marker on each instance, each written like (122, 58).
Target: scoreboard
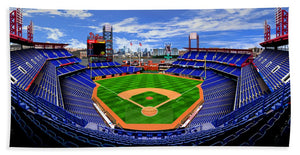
(96, 47)
(99, 49)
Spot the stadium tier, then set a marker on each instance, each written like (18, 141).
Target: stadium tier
(69, 69)
(45, 85)
(219, 57)
(219, 96)
(52, 102)
(77, 92)
(63, 61)
(54, 53)
(273, 66)
(100, 64)
(25, 66)
(252, 85)
(111, 70)
(225, 68)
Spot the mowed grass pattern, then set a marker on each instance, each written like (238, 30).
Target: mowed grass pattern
(131, 113)
(141, 99)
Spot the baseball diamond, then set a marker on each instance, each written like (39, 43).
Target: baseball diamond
(172, 99)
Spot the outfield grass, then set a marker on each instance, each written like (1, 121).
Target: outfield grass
(131, 113)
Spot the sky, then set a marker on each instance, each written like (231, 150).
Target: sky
(223, 28)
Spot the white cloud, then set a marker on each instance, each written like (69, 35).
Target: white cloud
(74, 43)
(65, 13)
(221, 21)
(232, 44)
(242, 43)
(121, 42)
(97, 29)
(162, 33)
(52, 33)
(239, 12)
(204, 20)
(77, 13)
(130, 25)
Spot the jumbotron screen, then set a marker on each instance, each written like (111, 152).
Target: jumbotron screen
(98, 49)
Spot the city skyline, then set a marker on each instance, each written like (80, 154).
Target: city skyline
(222, 28)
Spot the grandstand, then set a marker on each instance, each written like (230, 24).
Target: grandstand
(236, 104)
(246, 101)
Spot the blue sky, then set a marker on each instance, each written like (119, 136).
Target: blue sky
(228, 28)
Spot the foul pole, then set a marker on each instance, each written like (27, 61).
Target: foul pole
(130, 54)
(205, 68)
(140, 53)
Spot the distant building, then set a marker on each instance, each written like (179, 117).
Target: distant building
(158, 51)
(74, 49)
(175, 51)
(162, 51)
(256, 51)
(82, 54)
(181, 52)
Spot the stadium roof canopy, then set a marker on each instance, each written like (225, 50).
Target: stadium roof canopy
(278, 41)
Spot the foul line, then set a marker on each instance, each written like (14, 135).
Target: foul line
(112, 92)
(187, 91)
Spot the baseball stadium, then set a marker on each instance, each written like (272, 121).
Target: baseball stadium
(203, 97)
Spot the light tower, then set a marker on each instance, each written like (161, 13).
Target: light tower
(19, 21)
(281, 22)
(267, 31)
(16, 21)
(193, 36)
(30, 31)
(108, 37)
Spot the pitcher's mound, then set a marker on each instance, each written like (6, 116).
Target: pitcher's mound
(149, 98)
(149, 111)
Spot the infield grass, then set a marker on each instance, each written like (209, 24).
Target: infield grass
(131, 114)
(141, 99)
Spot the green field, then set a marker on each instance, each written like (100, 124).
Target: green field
(141, 99)
(131, 113)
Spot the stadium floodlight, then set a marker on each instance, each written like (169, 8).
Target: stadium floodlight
(107, 28)
(193, 35)
(32, 27)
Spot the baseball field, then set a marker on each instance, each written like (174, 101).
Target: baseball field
(148, 98)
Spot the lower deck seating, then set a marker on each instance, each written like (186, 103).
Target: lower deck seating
(219, 95)
(67, 60)
(77, 93)
(101, 64)
(130, 69)
(69, 69)
(111, 71)
(45, 85)
(252, 85)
